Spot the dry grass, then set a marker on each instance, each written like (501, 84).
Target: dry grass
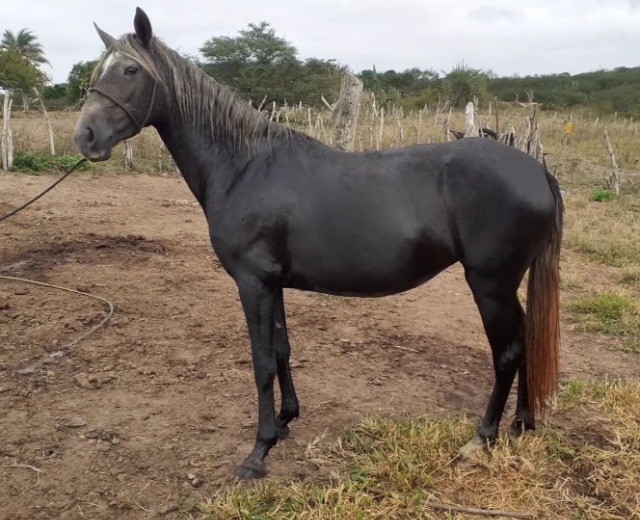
(586, 464)
(605, 232)
(582, 160)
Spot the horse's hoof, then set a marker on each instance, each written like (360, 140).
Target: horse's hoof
(251, 469)
(520, 426)
(282, 432)
(470, 448)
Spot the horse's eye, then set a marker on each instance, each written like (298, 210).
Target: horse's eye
(131, 70)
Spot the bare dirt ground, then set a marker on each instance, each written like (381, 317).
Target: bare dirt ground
(120, 425)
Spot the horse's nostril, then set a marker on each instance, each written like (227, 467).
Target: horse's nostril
(90, 135)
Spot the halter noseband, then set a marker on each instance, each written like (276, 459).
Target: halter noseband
(126, 110)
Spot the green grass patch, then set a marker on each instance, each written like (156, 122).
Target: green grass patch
(606, 250)
(602, 196)
(37, 162)
(610, 313)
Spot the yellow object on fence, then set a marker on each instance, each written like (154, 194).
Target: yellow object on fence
(569, 128)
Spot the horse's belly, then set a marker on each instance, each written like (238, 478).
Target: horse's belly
(379, 274)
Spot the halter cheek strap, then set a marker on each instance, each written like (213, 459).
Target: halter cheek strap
(126, 110)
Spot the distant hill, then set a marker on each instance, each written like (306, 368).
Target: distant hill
(616, 90)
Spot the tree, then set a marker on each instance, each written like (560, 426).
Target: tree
(463, 83)
(258, 44)
(16, 74)
(25, 43)
(411, 88)
(258, 63)
(25, 54)
(78, 81)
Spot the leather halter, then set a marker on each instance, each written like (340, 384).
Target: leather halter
(126, 110)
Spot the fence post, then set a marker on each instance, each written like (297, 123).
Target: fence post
(346, 112)
(128, 155)
(52, 144)
(614, 179)
(6, 137)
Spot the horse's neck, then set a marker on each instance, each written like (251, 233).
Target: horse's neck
(208, 167)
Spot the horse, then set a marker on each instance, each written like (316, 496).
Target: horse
(285, 211)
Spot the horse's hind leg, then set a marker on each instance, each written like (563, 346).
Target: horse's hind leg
(289, 408)
(503, 320)
(525, 418)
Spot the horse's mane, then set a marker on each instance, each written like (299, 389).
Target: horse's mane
(200, 99)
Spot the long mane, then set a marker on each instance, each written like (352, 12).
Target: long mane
(200, 99)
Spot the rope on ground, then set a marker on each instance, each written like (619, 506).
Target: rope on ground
(99, 298)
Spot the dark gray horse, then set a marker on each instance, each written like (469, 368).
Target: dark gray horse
(284, 210)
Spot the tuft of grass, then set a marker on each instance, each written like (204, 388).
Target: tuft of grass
(631, 276)
(602, 196)
(605, 312)
(390, 469)
(610, 313)
(605, 250)
(569, 282)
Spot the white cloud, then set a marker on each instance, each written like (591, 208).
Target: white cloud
(504, 36)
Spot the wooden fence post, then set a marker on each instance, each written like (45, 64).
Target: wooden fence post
(52, 144)
(614, 179)
(346, 112)
(470, 121)
(128, 155)
(6, 137)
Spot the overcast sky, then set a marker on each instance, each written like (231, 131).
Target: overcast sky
(506, 36)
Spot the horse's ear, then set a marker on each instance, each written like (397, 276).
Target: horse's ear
(143, 27)
(107, 39)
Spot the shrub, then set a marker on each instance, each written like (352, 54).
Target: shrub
(32, 162)
(38, 162)
(602, 196)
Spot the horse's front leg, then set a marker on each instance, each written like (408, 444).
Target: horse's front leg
(290, 408)
(259, 303)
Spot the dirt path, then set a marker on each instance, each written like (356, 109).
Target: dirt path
(113, 427)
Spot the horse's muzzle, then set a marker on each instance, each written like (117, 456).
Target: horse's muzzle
(93, 142)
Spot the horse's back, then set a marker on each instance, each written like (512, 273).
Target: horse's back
(383, 222)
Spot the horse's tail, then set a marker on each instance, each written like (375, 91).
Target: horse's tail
(542, 322)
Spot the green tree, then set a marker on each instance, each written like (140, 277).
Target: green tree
(411, 87)
(255, 63)
(258, 63)
(78, 81)
(258, 44)
(463, 83)
(24, 54)
(17, 74)
(26, 44)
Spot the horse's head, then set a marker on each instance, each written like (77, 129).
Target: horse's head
(122, 98)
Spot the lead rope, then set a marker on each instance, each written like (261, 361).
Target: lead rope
(12, 213)
(42, 284)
